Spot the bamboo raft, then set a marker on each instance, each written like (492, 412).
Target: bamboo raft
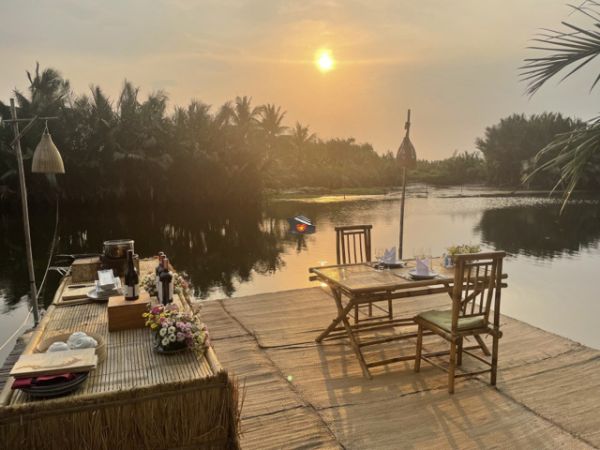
(299, 394)
(136, 398)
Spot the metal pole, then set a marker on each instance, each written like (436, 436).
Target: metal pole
(402, 213)
(32, 287)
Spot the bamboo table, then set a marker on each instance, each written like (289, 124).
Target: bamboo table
(362, 284)
(136, 398)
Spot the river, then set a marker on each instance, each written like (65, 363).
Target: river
(553, 260)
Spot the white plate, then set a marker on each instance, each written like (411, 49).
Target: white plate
(413, 273)
(397, 263)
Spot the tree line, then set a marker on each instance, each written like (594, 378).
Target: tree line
(134, 150)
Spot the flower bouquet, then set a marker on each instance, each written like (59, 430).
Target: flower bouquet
(458, 250)
(180, 284)
(175, 330)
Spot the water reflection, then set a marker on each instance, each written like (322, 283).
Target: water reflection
(540, 230)
(238, 253)
(215, 250)
(250, 251)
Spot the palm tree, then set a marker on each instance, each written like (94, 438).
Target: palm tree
(572, 48)
(270, 120)
(243, 115)
(301, 136)
(48, 92)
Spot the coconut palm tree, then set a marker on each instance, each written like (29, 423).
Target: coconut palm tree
(567, 50)
(301, 136)
(243, 115)
(48, 91)
(270, 121)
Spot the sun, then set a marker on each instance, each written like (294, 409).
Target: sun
(324, 61)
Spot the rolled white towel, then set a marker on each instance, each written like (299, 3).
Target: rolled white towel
(58, 346)
(77, 335)
(81, 340)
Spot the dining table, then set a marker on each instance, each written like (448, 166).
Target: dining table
(369, 283)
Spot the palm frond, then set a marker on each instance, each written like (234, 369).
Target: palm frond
(572, 48)
(571, 154)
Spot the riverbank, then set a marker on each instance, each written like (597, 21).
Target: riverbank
(418, 190)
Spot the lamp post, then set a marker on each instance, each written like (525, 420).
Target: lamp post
(407, 159)
(46, 159)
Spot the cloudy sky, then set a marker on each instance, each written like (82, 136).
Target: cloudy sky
(454, 63)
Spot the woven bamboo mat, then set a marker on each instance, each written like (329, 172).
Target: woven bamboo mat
(548, 393)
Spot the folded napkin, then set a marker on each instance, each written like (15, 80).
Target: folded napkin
(389, 256)
(21, 383)
(422, 266)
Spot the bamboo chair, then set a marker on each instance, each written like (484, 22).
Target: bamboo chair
(353, 246)
(477, 281)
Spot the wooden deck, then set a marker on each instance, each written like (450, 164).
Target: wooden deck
(302, 395)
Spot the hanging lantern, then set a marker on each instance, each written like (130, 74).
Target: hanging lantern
(46, 158)
(407, 156)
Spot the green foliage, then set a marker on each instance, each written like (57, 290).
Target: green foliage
(510, 146)
(573, 157)
(463, 249)
(461, 168)
(131, 149)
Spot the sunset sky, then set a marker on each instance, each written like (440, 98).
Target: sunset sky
(454, 63)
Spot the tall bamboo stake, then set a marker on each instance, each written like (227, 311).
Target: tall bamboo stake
(402, 213)
(23, 189)
(407, 159)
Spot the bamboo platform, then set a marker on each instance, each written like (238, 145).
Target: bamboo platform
(136, 398)
(302, 395)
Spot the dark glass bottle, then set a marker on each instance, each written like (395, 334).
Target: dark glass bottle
(166, 281)
(157, 272)
(132, 279)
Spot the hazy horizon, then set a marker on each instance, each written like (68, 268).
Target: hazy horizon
(455, 64)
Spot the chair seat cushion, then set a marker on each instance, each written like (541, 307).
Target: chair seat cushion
(443, 319)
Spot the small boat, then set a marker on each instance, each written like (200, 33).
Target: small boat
(301, 225)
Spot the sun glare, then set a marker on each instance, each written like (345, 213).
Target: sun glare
(324, 61)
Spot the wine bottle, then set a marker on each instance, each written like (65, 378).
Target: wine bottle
(157, 272)
(132, 280)
(166, 280)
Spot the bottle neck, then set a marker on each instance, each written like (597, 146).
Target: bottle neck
(130, 261)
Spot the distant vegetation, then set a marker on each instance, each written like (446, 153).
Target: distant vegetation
(510, 147)
(461, 168)
(129, 150)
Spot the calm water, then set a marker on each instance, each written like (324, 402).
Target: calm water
(553, 265)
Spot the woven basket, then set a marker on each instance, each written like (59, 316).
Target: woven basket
(100, 349)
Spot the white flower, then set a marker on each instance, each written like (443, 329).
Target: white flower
(172, 330)
(162, 332)
(165, 342)
(172, 337)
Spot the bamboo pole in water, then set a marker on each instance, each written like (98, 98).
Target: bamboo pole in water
(402, 213)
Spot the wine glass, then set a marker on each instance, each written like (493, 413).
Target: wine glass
(428, 258)
(379, 252)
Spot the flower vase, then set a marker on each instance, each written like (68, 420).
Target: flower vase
(172, 347)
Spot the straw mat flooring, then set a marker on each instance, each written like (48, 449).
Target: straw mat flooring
(302, 395)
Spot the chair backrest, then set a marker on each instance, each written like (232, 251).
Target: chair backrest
(477, 281)
(353, 244)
